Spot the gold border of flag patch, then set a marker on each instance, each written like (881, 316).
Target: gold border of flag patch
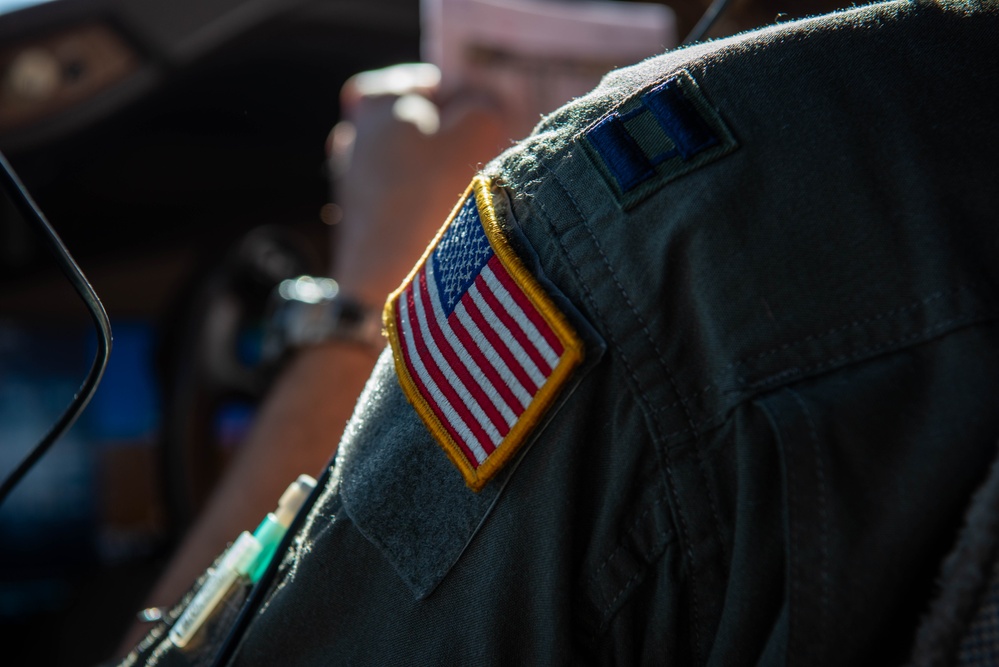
(541, 402)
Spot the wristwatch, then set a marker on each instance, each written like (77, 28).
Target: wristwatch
(308, 310)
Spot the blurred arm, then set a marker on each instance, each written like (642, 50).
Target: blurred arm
(403, 160)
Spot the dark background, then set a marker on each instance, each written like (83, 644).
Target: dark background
(173, 131)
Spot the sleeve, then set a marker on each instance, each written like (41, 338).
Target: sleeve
(775, 325)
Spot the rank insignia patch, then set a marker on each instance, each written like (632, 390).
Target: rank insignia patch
(657, 137)
(480, 349)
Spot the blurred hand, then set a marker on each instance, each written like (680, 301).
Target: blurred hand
(402, 158)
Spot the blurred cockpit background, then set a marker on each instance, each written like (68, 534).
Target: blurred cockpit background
(177, 148)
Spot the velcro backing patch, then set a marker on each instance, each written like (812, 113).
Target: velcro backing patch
(657, 137)
(480, 350)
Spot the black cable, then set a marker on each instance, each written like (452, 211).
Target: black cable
(707, 20)
(29, 209)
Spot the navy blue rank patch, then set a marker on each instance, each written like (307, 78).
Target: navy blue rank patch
(656, 137)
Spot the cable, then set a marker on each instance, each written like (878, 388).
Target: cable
(29, 209)
(706, 21)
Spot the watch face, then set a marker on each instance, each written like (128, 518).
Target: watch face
(320, 316)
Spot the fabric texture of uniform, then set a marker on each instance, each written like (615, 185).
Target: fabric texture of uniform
(791, 380)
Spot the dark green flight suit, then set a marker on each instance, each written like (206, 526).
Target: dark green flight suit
(781, 251)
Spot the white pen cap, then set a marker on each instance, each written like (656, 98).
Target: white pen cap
(293, 498)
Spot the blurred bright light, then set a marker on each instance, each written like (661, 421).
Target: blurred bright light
(308, 289)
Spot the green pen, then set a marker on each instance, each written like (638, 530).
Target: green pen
(243, 563)
(272, 529)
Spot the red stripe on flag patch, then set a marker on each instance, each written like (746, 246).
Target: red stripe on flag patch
(480, 349)
(461, 366)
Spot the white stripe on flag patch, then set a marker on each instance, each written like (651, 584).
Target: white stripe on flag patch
(512, 345)
(526, 325)
(470, 361)
(445, 367)
(485, 348)
(439, 399)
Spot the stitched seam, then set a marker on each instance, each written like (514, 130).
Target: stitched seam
(895, 311)
(663, 535)
(915, 305)
(608, 607)
(630, 531)
(868, 350)
(792, 492)
(634, 311)
(819, 642)
(646, 402)
(624, 589)
(852, 356)
(699, 455)
(689, 397)
(887, 314)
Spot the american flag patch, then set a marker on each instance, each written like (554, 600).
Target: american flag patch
(480, 349)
